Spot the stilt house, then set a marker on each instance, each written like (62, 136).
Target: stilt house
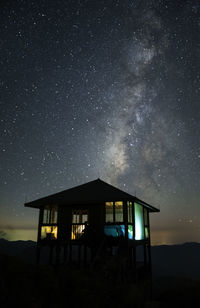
(84, 223)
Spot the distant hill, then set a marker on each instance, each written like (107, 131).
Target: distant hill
(175, 260)
(22, 249)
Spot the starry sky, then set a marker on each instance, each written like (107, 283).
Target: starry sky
(106, 89)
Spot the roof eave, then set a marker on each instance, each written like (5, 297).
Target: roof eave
(151, 208)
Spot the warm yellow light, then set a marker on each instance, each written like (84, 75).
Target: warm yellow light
(77, 231)
(109, 204)
(49, 232)
(119, 203)
(109, 212)
(119, 211)
(73, 236)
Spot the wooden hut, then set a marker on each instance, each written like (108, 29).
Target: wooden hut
(89, 222)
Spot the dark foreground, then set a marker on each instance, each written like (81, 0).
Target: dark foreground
(22, 284)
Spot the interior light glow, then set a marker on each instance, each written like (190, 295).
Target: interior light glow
(139, 223)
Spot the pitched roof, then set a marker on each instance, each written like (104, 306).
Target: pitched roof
(92, 192)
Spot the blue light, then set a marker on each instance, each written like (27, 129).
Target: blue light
(130, 232)
(114, 230)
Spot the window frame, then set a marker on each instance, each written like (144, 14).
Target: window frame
(49, 223)
(146, 223)
(52, 235)
(75, 225)
(114, 213)
(50, 216)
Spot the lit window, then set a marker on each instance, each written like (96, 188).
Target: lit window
(109, 212)
(49, 232)
(75, 217)
(130, 232)
(79, 221)
(119, 211)
(50, 216)
(146, 232)
(114, 230)
(139, 223)
(114, 211)
(146, 223)
(79, 216)
(77, 231)
(84, 218)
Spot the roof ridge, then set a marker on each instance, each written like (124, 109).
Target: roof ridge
(87, 193)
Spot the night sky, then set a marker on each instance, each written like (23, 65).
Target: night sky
(101, 89)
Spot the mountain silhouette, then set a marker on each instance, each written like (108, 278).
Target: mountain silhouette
(167, 260)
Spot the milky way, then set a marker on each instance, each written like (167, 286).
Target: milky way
(105, 89)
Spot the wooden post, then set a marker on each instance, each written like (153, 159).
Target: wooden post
(125, 218)
(149, 255)
(38, 254)
(79, 255)
(144, 243)
(130, 257)
(70, 252)
(85, 254)
(135, 261)
(51, 254)
(149, 246)
(65, 253)
(134, 247)
(92, 253)
(39, 236)
(133, 215)
(145, 255)
(58, 254)
(40, 224)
